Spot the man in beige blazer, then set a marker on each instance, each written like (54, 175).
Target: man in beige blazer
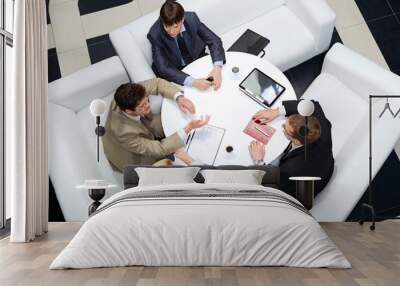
(134, 135)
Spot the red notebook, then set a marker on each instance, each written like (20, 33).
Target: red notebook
(261, 132)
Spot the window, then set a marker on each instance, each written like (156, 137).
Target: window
(9, 19)
(6, 43)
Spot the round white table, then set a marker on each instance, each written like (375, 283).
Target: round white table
(230, 108)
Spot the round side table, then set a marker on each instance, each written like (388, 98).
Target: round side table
(305, 190)
(96, 193)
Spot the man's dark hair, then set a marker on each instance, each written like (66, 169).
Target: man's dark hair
(171, 12)
(129, 95)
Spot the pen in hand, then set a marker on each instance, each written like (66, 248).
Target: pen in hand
(188, 138)
(261, 131)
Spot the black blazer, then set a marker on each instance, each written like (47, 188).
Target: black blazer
(166, 58)
(320, 162)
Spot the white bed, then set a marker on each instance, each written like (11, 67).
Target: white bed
(247, 226)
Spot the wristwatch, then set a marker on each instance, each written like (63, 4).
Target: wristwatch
(259, 162)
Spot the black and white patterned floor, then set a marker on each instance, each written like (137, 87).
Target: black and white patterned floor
(78, 30)
(383, 20)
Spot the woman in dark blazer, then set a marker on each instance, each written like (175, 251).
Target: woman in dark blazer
(320, 161)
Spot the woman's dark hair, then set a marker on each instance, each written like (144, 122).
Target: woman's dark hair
(171, 12)
(129, 95)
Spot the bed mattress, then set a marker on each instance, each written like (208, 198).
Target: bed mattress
(201, 225)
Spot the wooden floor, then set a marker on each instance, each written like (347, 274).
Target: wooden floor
(375, 257)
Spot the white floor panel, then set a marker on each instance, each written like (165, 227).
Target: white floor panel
(360, 39)
(67, 25)
(50, 37)
(74, 60)
(397, 149)
(147, 6)
(347, 13)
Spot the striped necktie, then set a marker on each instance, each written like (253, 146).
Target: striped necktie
(183, 49)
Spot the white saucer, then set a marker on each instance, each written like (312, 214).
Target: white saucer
(96, 187)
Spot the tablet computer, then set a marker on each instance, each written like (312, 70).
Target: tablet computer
(261, 88)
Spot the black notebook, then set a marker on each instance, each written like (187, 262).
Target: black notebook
(249, 42)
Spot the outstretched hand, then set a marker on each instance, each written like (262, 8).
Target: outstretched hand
(197, 123)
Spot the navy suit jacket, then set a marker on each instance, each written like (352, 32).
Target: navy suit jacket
(166, 58)
(320, 162)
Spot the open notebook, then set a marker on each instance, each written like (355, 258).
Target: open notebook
(204, 143)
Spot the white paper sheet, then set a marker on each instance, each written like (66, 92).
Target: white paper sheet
(204, 143)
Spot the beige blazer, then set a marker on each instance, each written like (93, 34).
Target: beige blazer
(127, 141)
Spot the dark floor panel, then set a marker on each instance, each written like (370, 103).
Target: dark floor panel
(100, 48)
(335, 38)
(5, 231)
(47, 12)
(55, 213)
(373, 9)
(397, 17)
(386, 195)
(395, 5)
(53, 65)
(97, 40)
(386, 32)
(91, 6)
(303, 75)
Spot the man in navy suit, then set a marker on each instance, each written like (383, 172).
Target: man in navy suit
(320, 161)
(179, 38)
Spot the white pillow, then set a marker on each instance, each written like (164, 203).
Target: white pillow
(248, 177)
(166, 176)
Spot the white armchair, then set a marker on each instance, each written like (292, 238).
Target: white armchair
(72, 141)
(298, 30)
(343, 88)
(319, 19)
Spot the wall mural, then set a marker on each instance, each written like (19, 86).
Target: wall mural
(80, 51)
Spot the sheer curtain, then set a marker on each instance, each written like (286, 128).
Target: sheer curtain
(26, 123)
